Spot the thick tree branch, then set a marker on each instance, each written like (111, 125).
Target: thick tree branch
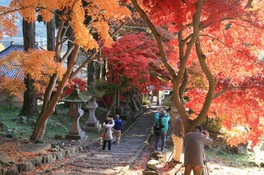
(184, 83)
(183, 60)
(58, 40)
(211, 90)
(249, 4)
(156, 35)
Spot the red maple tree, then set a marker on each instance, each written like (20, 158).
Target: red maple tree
(130, 61)
(225, 38)
(133, 65)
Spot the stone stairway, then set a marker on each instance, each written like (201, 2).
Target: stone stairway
(116, 161)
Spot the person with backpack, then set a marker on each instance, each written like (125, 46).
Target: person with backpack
(161, 128)
(117, 130)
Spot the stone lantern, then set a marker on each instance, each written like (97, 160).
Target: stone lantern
(92, 124)
(75, 100)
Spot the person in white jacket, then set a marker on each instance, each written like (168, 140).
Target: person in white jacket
(108, 136)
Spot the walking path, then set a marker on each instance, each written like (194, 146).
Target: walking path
(116, 161)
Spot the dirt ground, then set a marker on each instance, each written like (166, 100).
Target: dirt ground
(217, 168)
(214, 166)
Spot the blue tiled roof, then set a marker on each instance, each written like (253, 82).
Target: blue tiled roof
(10, 49)
(11, 73)
(14, 73)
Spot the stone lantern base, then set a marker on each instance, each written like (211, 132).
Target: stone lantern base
(73, 136)
(94, 127)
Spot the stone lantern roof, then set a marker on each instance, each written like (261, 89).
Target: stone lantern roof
(93, 92)
(76, 96)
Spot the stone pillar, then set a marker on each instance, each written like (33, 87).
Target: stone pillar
(75, 113)
(92, 124)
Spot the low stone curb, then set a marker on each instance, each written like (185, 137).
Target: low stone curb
(16, 169)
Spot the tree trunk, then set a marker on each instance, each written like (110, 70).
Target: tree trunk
(30, 106)
(113, 103)
(51, 40)
(39, 131)
(40, 127)
(51, 26)
(90, 72)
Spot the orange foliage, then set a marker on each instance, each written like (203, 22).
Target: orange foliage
(12, 87)
(7, 22)
(38, 64)
(101, 13)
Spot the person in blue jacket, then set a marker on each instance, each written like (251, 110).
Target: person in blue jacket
(117, 130)
(162, 118)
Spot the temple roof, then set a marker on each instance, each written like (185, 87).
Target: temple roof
(4, 70)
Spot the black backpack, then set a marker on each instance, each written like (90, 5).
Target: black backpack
(157, 128)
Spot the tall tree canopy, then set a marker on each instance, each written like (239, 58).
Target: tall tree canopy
(90, 20)
(221, 41)
(213, 64)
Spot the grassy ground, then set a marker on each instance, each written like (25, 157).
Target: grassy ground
(58, 124)
(20, 127)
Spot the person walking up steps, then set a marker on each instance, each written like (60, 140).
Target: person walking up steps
(117, 130)
(108, 137)
(162, 120)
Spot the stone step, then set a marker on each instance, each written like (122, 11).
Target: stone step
(91, 172)
(102, 165)
(107, 161)
(111, 157)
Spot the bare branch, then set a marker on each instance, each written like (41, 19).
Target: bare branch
(157, 36)
(58, 40)
(69, 51)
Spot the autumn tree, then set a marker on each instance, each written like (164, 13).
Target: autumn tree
(225, 38)
(12, 88)
(132, 65)
(72, 15)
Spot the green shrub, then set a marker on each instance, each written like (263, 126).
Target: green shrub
(145, 101)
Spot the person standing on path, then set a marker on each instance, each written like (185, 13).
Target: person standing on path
(117, 130)
(194, 155)
(162, 118)
(108, 137)
(177, 138)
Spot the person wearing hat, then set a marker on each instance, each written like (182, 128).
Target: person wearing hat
(194, 155)
(117, 130)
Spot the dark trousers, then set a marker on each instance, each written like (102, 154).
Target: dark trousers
(108, 143)
(162, 137)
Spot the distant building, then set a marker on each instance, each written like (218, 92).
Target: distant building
(4, 71)
(10, 73)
